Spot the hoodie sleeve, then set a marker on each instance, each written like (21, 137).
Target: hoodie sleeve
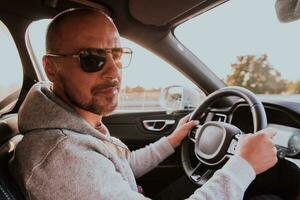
(145, 159)
(228, 183)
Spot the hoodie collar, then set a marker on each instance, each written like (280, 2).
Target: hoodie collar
(42, 109)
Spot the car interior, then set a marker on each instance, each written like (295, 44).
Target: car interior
(151, 24)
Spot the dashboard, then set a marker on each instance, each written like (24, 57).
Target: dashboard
(287, 137)
(284, 117)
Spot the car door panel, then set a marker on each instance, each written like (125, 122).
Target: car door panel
(129, 128)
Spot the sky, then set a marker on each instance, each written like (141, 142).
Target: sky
(11, 67)
(243, 27)
(237, 27)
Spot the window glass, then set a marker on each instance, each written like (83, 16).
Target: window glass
(11, 76)
(142, 81)
(244, 43)
(145, 78)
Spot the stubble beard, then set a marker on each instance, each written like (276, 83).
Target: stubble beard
(93, 105)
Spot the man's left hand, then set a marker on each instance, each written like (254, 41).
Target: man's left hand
(183, 128)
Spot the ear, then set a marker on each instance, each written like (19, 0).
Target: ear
(50, 68)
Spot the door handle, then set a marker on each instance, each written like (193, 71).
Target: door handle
(157, 125)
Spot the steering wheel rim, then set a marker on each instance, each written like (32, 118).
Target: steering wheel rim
(259, 122)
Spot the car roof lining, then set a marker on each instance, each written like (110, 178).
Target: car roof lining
(130, 12)
(158, 13)
(155, 12)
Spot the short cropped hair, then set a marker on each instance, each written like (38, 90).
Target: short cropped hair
(53, 31)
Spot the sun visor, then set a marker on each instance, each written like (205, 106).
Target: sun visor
(160, 12)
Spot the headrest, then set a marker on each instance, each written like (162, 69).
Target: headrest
(8, 128)
(10, 145)
(9, 134)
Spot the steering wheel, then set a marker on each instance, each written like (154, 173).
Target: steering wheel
(210, 145)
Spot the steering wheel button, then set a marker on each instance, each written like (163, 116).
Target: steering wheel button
(238, 136)
(232, 147)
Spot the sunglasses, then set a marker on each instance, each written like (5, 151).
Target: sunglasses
(93, 60)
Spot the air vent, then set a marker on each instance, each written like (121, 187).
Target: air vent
(219, 117)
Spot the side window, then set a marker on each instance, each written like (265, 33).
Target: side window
(142, 81)
(145, 78)
(11, 76)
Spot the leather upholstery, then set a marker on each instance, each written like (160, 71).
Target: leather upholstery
(9, 138)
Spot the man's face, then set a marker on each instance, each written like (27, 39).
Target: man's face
(96, 92)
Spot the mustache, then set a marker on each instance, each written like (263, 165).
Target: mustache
(105, 85)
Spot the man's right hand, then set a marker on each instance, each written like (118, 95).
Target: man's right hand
(258, 150)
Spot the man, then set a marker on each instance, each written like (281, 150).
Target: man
(67, 153)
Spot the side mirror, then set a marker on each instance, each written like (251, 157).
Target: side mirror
(287, 10)
(180, 98)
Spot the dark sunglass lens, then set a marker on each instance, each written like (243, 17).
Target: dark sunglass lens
(91, 63)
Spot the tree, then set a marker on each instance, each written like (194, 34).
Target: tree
(256, 74)
(138, 89)
(294, 87)
(127, 89)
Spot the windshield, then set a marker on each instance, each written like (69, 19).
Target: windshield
(244, 44)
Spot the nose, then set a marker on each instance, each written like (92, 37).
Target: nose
(110, 70)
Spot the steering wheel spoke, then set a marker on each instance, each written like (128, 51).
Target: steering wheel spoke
(201, 173)
(217, 115)
(233, 146)
(194, 133)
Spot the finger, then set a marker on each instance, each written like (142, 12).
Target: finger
(191, 124)
(269, 143)
(185, 119)
(275, 150)
(269, 129)
(268, 132)
(274, 160)
(243, 136)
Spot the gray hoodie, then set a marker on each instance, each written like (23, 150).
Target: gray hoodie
(63, 157)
